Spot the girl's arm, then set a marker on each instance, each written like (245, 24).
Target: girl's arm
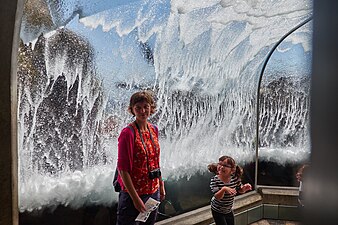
(220, 194)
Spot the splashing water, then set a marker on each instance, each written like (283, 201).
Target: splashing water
(202, 62)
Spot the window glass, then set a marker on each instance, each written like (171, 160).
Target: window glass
(80, 61)
(284, 110)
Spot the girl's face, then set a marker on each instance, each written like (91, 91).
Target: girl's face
(299, 176)
(224, 167)
(142, 110)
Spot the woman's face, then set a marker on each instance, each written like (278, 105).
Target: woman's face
(142, 110)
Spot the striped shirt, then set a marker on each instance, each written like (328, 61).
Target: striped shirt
(223, 205)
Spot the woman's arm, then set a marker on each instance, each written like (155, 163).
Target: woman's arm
(162, 189)
(138, 203)
(124, 165)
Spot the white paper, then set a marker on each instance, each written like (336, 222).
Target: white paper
(151, 204)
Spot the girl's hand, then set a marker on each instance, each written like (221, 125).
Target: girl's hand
(139, 205)
(228, 190)
(246, 187)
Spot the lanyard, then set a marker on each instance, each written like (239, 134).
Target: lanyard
(143, 143)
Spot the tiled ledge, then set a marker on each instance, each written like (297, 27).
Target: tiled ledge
(247, 201)
(279, 195)
(266, 202)
(199, 216)
(202, 216)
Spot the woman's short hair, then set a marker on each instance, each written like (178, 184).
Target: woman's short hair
(142, 96)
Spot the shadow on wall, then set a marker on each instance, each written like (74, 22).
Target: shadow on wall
(94, 215)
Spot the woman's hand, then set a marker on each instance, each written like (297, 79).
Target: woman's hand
(139, 205)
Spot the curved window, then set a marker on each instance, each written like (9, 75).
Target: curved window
(284, 110)
(80, 61)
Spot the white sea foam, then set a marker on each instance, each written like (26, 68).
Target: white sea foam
(92, 186)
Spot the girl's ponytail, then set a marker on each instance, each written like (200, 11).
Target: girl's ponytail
(213, 168)
(239, 171)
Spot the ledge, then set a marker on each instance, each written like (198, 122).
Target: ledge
(199, 216)
(202, 216)
(279, 195)
(264, 195)
(247, 201)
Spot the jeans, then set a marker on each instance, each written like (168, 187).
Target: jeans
(127, 213)
(223, 219)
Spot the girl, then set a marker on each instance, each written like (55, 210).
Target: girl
(225, 185)
(301, 173)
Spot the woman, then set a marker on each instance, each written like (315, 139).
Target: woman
(225, 185)
(138, 162)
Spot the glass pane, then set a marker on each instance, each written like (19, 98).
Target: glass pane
(284, 110)
(80, 61)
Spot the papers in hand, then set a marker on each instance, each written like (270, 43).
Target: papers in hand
(151, 204)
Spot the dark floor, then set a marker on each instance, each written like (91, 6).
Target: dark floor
(275, 222)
